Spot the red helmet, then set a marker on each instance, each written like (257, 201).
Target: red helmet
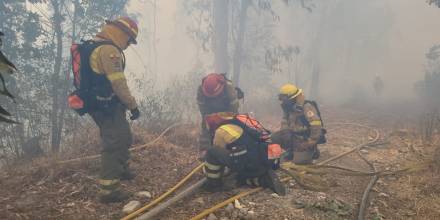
(213, 84)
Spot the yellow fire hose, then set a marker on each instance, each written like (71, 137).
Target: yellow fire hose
(206, 212)
(313, 169)
(224, 203)
(163, 196)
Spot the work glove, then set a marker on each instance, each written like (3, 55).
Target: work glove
(240, 93)
(134, 114)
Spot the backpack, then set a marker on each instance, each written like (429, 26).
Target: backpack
(83, 98)
(251, 126)
(322, 138)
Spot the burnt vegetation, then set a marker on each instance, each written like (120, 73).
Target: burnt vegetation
(336, 51)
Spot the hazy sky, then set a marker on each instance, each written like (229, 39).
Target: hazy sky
(414, 30)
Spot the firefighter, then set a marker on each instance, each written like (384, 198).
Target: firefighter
(378, 85)
(243, 150)
(215, 94)
(301, 126)
(113, 98)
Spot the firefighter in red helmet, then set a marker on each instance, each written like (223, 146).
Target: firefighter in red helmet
(216, 94)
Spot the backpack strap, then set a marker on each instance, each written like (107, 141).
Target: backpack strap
(255, 133)
(106, 42)
(314, 104)
(322, 139)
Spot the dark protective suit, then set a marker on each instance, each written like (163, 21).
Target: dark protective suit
(237, 150)
(107, 63)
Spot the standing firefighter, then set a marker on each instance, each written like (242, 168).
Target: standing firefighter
(216, 94)
(102, 92)
(243, 145)
(378, 85)
(301, 127)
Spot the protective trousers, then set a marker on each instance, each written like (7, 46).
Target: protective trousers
(289, 141)
(249, 169)
(116, 139)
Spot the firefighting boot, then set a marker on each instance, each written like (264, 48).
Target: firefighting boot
(316, 154)
(271, 181)
(114, 196)
(127, 173)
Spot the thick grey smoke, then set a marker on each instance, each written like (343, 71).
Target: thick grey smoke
(352, 41)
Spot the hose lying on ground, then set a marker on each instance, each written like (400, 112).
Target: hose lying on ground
(163, 196)
(206, 212)
(224, 203)
(299, 175)
(363, 205)
(156, 210)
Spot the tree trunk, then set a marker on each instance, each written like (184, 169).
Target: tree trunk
(237, 57)
(221, 34)
(314, 87)
(315, 48)
(57, 19)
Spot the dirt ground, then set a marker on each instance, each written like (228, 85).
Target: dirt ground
(43, 189)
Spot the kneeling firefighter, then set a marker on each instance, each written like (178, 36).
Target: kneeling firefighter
(103, 93)
(301, 128)
(243, 145)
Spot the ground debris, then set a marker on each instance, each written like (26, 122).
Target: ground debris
(331, 207)
(69, 192)
(229, 208)
(131, 207)
(212, 217)
(144, 194)
(237, 204)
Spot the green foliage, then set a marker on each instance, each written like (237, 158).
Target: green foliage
(277, 55)
(91, 14)
(177, 102)
(30, 41)
(200, 28)
(434, 2)
(331, 209)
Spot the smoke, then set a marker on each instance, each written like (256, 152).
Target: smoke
(350, 40)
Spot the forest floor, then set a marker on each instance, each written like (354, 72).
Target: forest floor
(44, 189)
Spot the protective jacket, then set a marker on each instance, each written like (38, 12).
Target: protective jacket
(304, 121)
(248, 156)
(107, 63)
(227, 101)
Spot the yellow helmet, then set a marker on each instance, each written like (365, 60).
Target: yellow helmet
(290, 91)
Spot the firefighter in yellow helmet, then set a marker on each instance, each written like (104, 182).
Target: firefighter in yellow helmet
(241, 144)
(301, 127)
(113, 98)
